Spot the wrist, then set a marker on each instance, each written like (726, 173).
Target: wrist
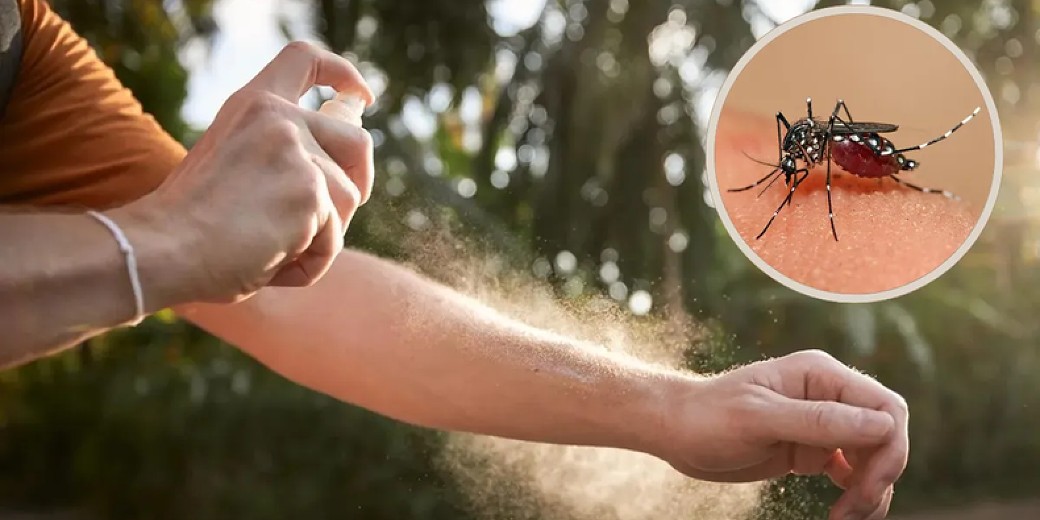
(163, 251)
(663, 395)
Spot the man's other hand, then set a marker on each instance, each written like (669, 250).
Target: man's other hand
(805, 413)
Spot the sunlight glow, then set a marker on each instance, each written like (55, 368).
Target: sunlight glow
(249, 37)
(512, 16)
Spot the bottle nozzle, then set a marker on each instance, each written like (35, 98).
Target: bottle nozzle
(346, 107)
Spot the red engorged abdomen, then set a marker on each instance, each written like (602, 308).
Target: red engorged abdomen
(858, 159)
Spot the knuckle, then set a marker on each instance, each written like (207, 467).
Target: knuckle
(309, 280)
(871, 494)
(346, 197)
(337, 248)
(256, 103)
(816, 416)
(747, 411)
(366, 163)
(310, 189)
(352, 195)
(891, 477)
(900, 404)
(281, 135)
(282, 141)
(300, 48)
(364, 139)
(816, 357)
(357, 142)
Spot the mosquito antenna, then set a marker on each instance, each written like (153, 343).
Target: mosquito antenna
(763, 163)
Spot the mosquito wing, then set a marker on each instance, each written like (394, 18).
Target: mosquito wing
(860, 127)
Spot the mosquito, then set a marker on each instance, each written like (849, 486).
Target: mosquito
(857, 146)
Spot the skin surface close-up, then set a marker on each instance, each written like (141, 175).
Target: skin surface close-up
(889, 235)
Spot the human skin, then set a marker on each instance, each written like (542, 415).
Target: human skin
(384, 338)
(888, 235)
(375, 334)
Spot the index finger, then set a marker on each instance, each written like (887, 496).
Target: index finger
(300, 66)
(884, 466)
(886, 463)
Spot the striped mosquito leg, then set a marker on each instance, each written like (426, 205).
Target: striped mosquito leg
(830, 207)
(763, 190)
(922, 189)
(790, 194)
(941, 137)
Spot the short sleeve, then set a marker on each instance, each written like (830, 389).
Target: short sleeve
(72, 134)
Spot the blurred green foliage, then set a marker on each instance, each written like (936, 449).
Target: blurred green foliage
(586, 146)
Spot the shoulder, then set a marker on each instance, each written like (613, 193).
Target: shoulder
(65, 98)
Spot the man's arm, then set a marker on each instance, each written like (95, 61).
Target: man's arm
(378, 335)
(63, 278)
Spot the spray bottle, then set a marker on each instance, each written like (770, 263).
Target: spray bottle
(345, 106)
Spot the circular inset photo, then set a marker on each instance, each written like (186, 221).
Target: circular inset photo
(854, 154)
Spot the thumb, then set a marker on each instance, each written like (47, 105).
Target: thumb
(828, 424)
(300, 66)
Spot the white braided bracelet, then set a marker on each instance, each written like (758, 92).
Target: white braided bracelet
(131, 263)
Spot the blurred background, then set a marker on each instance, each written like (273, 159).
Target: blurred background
(567, 137)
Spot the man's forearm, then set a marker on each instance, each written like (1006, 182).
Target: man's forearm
(63, 278)
(382, 337)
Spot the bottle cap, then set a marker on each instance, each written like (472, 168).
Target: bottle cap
(346, 107)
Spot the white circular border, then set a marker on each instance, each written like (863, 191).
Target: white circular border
(998, 153)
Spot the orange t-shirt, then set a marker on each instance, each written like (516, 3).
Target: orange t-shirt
(71, 134)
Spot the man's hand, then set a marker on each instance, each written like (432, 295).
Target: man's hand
(805, 413)
(265, 196)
